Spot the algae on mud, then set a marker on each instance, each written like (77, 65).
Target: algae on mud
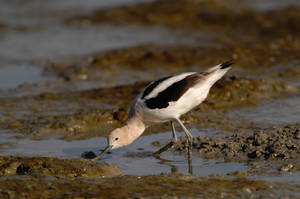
(254, 58)
(138, 187)
(43, 166)
(254, 39)
(277, 143)
(212, 16)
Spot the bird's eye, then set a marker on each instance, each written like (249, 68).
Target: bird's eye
(116, 138)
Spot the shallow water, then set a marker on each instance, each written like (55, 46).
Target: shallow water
(134, 159)
(12, 75)
(274, 112)
(37, 12)
(270, 4)
(131, 159)
(292, 178)
(37, 35)
(64, 41)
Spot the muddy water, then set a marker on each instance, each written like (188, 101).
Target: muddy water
(131, 160)
(69, 70)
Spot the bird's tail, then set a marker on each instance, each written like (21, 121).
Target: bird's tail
(226, 65)
(215, 73)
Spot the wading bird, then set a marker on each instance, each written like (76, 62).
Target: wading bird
(163, 100)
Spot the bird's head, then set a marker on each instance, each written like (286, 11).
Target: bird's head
(116, 139)
(125, 135)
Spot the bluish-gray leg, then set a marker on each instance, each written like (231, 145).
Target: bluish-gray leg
(170, 144)
(187, 133)
(190, 140)
(173, 132)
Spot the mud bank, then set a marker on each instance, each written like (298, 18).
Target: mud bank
(265, 50)
(275, 149)
(12, 166)
(46, 114)
(269, 144)
(257, 58)
(1, 25)
(201, 15)
(25, 186)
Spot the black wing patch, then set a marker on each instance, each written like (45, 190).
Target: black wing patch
(153, 85)
(172, 93)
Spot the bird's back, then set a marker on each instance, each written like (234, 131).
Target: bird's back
(172, 96)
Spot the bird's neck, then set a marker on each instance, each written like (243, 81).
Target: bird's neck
(135, 127)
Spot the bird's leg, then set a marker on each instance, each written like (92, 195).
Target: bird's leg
(190, 165)
(174, 139)
(187, 133)
(189, 137)
(170, 144)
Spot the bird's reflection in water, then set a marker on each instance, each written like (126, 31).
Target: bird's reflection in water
(174, 167)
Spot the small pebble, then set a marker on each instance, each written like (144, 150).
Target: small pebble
(156, 143)
(88, 155)
(286, 167)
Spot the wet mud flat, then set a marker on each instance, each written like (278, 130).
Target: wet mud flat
(267, 150)
(134, 187)
(86, 96)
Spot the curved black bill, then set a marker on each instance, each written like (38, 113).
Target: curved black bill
(108, 148)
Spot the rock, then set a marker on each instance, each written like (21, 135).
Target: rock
(10, 168)
(88, 155)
